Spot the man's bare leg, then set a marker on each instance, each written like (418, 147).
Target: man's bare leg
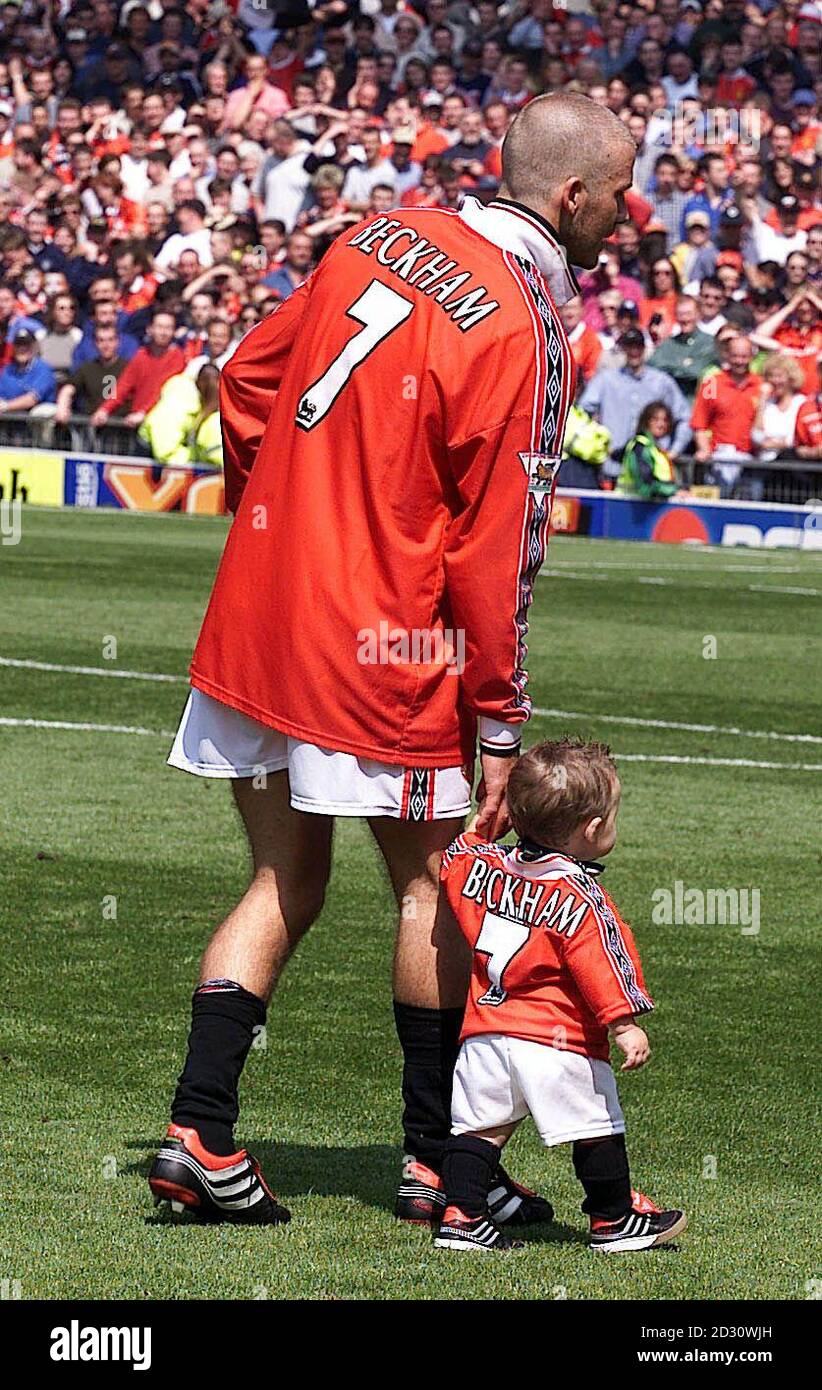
(432, 962)
(291, 856)
(431, 971)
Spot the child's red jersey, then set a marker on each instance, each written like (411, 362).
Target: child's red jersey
(392, 434)
(553, 960)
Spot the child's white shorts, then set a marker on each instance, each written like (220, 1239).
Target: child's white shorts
(214, 740)
(499, 1079)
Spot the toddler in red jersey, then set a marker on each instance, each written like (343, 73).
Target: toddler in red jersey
(556, 976)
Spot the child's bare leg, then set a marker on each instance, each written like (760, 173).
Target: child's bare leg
(469, 1167)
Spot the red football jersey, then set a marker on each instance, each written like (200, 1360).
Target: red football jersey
(553, 960)
(391, 438)
(809, 424)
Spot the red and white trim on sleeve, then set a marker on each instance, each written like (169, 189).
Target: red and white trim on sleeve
(553, 393)
(613, 944)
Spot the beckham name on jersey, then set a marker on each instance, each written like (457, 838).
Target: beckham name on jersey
(524, 900)
(422, 264)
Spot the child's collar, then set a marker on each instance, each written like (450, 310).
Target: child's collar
(530, 851)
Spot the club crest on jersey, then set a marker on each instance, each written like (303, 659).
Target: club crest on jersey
(306, 411)
(541, 470)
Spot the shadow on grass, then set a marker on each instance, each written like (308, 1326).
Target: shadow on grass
(368, 1173)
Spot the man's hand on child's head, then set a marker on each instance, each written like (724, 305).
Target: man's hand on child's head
(633, 1041)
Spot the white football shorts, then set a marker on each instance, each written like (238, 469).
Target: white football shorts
(499, 1079)
(214, 740)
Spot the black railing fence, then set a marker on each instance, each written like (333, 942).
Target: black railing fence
(77, 436)
(793, 481)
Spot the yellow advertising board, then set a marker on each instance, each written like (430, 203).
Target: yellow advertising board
(33, 476)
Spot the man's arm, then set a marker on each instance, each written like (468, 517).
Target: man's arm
(21, 403)
(701, 418)
(599, 953)
(239, 110)
(591, 399)
(65, 401)
(249, 384)
(493, 550)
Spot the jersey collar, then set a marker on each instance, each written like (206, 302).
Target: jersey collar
(514, 227)
(538, 858)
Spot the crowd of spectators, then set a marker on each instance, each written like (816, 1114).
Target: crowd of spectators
(171, 171)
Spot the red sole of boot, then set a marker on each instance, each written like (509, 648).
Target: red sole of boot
(170, 1192)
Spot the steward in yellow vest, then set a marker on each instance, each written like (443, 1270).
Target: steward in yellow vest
(647, 470)
(184, 426)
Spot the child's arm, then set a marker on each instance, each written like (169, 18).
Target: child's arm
(632, 1040)
(602, 960)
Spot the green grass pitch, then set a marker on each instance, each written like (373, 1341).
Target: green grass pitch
(95, 1008)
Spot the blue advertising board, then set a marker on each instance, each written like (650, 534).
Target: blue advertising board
(696, 521)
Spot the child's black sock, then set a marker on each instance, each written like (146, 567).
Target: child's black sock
(223, 1019)
(430, 1043)
(468, 1170)
(602, 1167)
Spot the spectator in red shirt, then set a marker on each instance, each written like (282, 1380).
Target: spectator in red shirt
(734, 84)
(796, 329)
(806, 192)
(724, 413)
(136, 287)
(585, 343)
(429, 193)
(147, 372)
(806, 124)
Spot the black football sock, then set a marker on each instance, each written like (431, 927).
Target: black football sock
(469, 1167)
(223, 1019)
(602, 1167)
(430, 1042)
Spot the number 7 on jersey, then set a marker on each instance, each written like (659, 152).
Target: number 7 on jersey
(499, 940)
(380, 310)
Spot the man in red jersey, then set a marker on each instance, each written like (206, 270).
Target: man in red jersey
(392, 435)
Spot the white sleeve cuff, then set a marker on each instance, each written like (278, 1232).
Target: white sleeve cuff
(492, 731)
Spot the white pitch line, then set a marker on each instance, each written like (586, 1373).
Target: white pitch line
(9, 723)
(660, 563)
(624, 757)
(92, 671)
(546, 573)
(681, 583)
(637, 723)
(715, 762)
(783, 589)
(626, 719)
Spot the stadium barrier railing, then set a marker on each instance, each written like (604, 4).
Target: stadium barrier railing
(789, 480)
(77, 435)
